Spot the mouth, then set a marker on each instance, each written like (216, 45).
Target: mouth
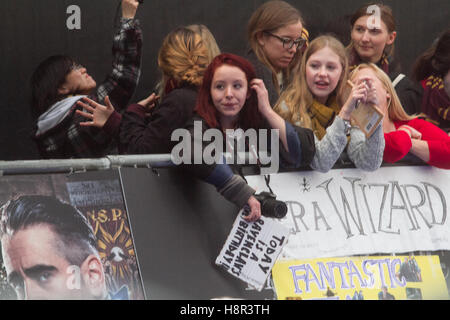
(229, 105)
(365, 47)
(287, 59)
(321, 84)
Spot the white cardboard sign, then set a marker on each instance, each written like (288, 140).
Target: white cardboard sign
(349, 211)
(252, 248)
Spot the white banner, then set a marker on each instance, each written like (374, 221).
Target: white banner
(252, 248)
(348, 211)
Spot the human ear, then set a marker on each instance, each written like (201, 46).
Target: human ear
(63, 90)
(391, 37)
(94, 277)
(388, 100)
(260, 39)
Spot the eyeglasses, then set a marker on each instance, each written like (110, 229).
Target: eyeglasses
(288, 43)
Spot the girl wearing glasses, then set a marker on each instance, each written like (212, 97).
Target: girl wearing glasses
(276, 37)
(373, 36)
(314, 100)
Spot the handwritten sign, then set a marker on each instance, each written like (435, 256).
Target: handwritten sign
(252, 248)
(349, 211)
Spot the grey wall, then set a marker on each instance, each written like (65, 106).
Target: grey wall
(31, 30)
(178, 241)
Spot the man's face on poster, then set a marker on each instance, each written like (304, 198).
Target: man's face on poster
(36, 268)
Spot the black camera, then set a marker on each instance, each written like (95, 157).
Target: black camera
(270, 206)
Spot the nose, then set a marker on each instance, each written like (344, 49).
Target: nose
(365, 36)
(322, 71)
(293, 50)
(228, 92)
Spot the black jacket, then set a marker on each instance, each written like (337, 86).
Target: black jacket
(152, 135)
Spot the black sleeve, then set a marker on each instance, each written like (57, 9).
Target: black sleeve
(307, 145)
(410, 95)
(153, 135)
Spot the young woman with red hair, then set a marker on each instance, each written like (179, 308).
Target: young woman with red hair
(232, 98)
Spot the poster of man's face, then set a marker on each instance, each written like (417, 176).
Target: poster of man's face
(69, 238)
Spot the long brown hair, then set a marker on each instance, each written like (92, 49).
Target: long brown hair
(386, 15)
(435, 60)
(271, 16)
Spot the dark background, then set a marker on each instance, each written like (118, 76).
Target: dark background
(31, 30)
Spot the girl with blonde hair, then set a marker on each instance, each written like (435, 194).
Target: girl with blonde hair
(404, 133)
(276, 37)
(208, 39)
(144, 127)
(315, 100)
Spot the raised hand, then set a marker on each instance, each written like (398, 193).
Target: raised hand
(372, 94)
(129, 8)
(360, 93)
(97, 114)
(149, 102)
(274, 119)
(262, 94)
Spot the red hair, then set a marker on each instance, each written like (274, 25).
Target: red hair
(249, 117)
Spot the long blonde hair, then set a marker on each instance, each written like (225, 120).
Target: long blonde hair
(297, 96)
(395, 108)
(183, 57)
(208, 39)
(271, 16)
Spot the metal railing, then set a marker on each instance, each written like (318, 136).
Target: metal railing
(76, 165)
(138, 161)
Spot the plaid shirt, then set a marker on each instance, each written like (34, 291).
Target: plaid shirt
(70, 140)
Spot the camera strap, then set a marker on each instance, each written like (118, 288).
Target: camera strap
(267, 179)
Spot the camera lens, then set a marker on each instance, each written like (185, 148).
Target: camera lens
(274, 208)
(280, 210)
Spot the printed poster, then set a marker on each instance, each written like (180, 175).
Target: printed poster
(73, 236)
(405, 277)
